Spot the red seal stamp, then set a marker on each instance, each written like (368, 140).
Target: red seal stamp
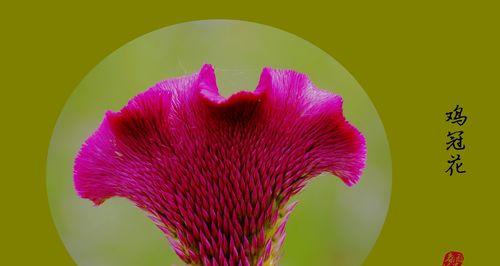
(453, 258)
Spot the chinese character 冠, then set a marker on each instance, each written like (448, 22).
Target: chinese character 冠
(455, 140)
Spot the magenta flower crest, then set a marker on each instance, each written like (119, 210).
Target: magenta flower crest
(216, 175)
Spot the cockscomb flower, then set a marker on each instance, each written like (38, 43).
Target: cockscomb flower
(216, 175)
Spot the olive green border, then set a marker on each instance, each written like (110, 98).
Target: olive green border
(415, 60)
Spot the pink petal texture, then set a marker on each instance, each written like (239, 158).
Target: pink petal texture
(216, 175)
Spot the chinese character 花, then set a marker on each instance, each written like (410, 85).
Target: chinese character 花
(454, 165)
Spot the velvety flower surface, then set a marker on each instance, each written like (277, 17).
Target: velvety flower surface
(215, 174)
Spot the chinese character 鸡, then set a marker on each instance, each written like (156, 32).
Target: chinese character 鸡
(456, 116)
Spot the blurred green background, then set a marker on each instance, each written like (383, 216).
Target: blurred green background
(332, 225)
